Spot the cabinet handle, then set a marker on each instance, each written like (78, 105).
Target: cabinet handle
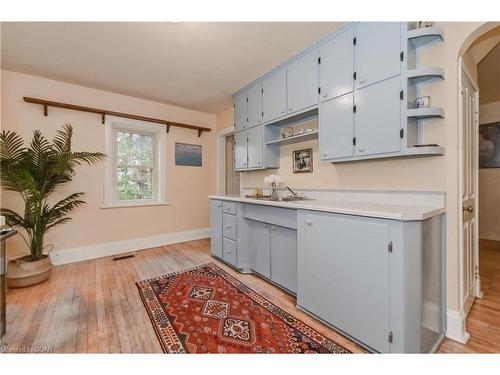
(228, 251)
(228, 226)
(361, 149)
(309, 222)
(219, 205)
(325, 94)
(290, 109)
(282, 111)
(362, 80)
(273, 228)
(265, 225)
(325, 153)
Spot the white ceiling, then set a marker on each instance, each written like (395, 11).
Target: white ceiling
(193, 65)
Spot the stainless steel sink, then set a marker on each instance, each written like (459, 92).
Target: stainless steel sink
(289, 198)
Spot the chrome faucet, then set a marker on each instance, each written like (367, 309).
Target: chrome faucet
(291, 191)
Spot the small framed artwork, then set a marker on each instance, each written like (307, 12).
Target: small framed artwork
(188, 155)
(489, 145)
(302, 161)
(421, 24)
(423, 102)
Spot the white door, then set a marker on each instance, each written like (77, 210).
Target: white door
(470, 242)
(377, 52)
(254, 106)
(336, 66)
(274, 96)
(302, 82)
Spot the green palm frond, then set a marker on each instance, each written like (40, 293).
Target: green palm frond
(35, 172)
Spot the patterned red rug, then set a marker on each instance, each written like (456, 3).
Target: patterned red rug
(206, 310)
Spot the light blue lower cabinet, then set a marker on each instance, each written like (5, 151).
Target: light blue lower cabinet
(284, 257)
(379, 281)
(259, 247)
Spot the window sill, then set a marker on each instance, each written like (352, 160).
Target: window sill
(134, 204)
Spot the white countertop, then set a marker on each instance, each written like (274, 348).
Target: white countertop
(386, 211)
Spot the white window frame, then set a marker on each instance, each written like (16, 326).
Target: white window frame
(112, 126)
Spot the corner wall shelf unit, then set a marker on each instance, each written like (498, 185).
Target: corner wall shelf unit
(104, 112)
(421, 75)
(425, 150)
(295, 138)
(425, 113)
(425, 35)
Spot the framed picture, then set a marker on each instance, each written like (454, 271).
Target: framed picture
(302, 161)
(188, 155)
(489, 145)
(423, 102)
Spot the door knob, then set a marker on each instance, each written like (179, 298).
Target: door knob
(309, 222)
(468, 209)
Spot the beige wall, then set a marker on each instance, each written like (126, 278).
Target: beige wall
(225, 119)
(187, 187)
(429, 173)
(489, 183)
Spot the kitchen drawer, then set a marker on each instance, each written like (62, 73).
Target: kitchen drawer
(284, 217)
(229, 251)
(229, 208)
(229, 226)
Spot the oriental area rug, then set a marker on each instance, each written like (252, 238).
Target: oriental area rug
(205, 310)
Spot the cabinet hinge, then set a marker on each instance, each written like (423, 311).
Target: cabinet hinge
(401, 95)
(354, 108)
(354, 76)
(234, 105)
(402, 56)
(390, 337)
(262, 113)
(319, 90)
(262, 91)
(390, 246)
(354, 41)
(247, 99)
(402, 133)
(354, 141)
(319, 60)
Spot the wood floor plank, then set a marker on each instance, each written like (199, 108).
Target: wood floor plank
(94, 306)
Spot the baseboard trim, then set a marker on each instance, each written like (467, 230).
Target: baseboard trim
(455, 326)
(489, 235)
(83, 253)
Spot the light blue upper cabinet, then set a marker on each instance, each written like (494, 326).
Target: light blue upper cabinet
(377, 52)
(336, 130)
(274, 96)
(377, 121)
(240, 150)
(302, 82)
(255, 147)
(344, 276)
(240, 112)
(336, 66)
(254, 106)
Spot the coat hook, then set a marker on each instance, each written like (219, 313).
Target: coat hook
(45, 111)
(168, 128)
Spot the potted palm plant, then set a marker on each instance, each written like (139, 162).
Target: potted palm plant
(35, 172)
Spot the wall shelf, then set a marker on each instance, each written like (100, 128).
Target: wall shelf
(425, 113)
(420, 75)
(425, 35)
(423, 151)
(295, 139)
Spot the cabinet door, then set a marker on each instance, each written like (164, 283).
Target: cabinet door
(302, 82)
(254, 106)
(216, 228)
(229, 251)
(260, 247)
(344, 275)
(377, 121)
(377, 51)
(240, 112)
(274, 96)
(255, 147)
(337, 66)
(240, 150)
(284, 257)
(336, 128)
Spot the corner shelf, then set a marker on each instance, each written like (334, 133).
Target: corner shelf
(425, 35)
(295, 138)
(420, 75)
(425, 151)
(425, 113)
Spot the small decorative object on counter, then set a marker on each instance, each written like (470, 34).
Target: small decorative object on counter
(257, 191)
(299, 131)
(423, 102)
(274, 181)
(289, 132)
(424, 24)
(302, 161)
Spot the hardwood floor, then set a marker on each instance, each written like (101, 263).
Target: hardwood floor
(483, 322)
(94, 306)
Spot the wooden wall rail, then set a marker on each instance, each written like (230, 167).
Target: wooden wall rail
(104, 112)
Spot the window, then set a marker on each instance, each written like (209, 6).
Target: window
(135, 166)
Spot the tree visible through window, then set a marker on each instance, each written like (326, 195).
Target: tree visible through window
(134, 165)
